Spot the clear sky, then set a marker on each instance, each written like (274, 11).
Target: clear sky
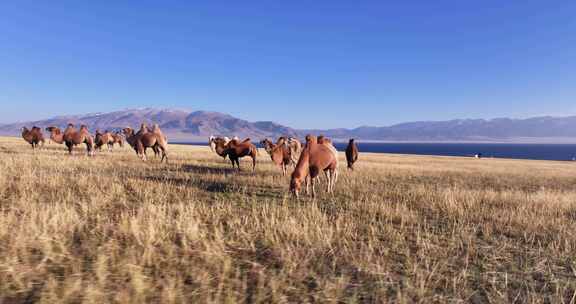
(306, 64)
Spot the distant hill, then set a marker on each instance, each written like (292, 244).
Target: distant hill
(500, 129)
(178, 124)
(183, 125)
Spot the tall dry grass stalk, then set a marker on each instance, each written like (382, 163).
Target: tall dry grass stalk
(399, 229)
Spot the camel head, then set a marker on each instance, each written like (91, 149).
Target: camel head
(69, 128)
(267, 144)
(128, 131)
(351, 140)
(311, 139)
(211, 142)
(295, 187)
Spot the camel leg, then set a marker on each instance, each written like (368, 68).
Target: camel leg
(329, 179)
(69, 146)
(238, 164)
(307, 181)
(312, 182)
(334, 179)
(164, 154)
(253, 163)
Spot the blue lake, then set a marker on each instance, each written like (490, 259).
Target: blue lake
(520, 151)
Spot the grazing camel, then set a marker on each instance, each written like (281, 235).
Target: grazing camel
(280, 153)
(144, 139)
(34, 137)
(315, 157)
(73, 137)
(102, 139)
(351, 154)
(56, 135)
(235, 150)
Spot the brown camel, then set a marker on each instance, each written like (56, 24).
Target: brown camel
(101, 139)
(314, 159)
(280, 153)
(56, 135)
(131, 139)
(351, 154)
(118, 139)
(34, 137)
(144, 139)
(73, 137)
(220, 142)
(235, 150)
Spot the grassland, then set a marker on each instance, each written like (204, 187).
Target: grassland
(400, 229)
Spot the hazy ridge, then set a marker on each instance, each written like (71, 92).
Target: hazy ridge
(192, 125)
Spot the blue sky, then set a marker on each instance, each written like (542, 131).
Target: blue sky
(306, 64)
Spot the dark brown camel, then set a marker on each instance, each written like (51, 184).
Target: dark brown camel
(34, 137)
(280, 153)
(73, 137)
(351, 154)
(314, 159)
(236, 150)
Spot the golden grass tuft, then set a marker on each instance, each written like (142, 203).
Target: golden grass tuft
(399, 229)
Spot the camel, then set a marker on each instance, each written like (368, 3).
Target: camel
(102, 139)
(131, 139)
(156, 130)
(73, 137)
(56, 135)
(34, 137)
(280, 153)
(235, 150)
(315, 157)
(212, 142)
(118, 139)
(351, 154)
(144, 139)
(295, 147)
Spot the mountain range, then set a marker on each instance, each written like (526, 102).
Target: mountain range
(181, 125)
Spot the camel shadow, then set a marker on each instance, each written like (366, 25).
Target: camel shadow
(210, 170)
(208, 186)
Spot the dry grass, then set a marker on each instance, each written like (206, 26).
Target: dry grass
(399, 229)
